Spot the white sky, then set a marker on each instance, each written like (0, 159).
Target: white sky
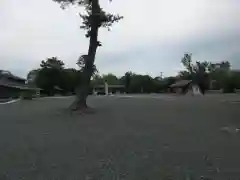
(151, 38)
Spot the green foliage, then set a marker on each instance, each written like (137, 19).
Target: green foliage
(187, 62)
(203, 73)
(185, 75)
(104, 19)
(93, 15)
(225, 78)
(32, 76)
(52, 63)
(110, 79)
(235, 75)
(50, 74)
(193, 69)
(82, 61)
(134, 83)
(195, 72)
(127, 80)
(53, 74)
(224, 66)
(70, 79)
(97, 80)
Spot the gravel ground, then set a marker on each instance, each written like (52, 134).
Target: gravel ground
(142, 137)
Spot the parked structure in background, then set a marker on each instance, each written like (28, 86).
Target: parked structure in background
(12, 86)
(185, 87)
(107, 89)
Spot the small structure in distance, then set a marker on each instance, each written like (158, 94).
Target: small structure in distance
(106, 89)
(185, 87)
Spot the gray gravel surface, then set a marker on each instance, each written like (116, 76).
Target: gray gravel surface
(144, 137)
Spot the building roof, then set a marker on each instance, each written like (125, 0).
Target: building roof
(22, 87)
(181, 83)
(8, 74)
(58, 88)
(9, 80)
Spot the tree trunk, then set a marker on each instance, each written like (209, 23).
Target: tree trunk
(84, 86)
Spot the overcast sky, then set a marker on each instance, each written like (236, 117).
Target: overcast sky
(152, 37)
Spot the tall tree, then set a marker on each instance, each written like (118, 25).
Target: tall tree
(32, 76)
(94, 18)
(81, 62)
(223, 66)
(197, 72)
(127, 80)
(221, 74)
(49, 75)
(110, 78)
(185, 75)
(187, 62)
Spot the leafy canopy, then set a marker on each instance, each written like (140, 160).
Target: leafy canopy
(81, 62)
(102, 18)
(52, 62)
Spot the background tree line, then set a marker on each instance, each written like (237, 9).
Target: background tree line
(53, 77)
(210, 75)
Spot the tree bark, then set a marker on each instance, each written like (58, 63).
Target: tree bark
(84, 86)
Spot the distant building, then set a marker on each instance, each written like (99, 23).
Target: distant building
(12, 86)
(106, 89)
(185, 87)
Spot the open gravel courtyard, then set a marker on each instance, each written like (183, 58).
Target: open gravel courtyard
(139, 137)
